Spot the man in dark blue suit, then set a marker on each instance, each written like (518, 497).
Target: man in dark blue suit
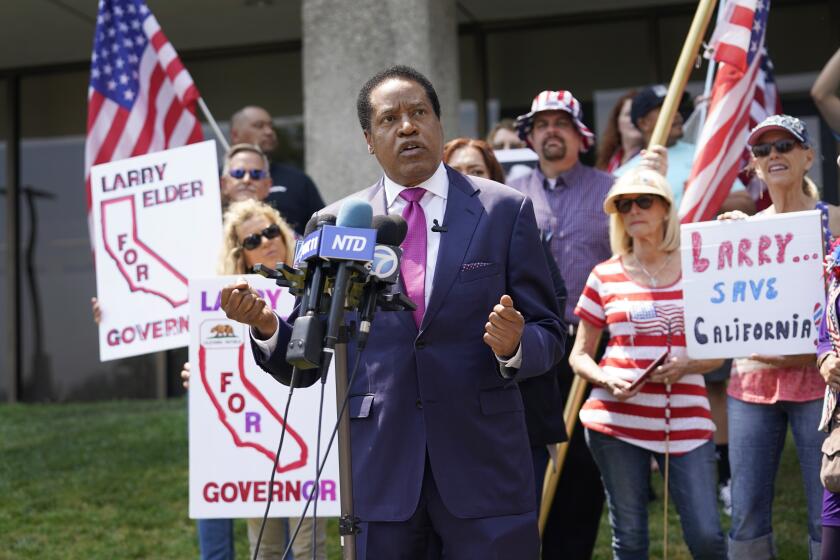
(441, 460)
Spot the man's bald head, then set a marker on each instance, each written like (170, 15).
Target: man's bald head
(252, 125)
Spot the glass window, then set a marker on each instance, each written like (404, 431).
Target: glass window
(522, 63)
(60, 358)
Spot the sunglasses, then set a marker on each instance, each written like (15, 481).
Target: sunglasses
(782, 146)
(624, 205)
(255, 239)
(255, 174)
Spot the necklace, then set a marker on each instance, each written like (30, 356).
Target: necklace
(652, 277)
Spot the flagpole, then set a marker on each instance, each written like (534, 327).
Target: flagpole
(220, 138)
(684, 64)
(553, 471)
(707, 88)
(710, 71)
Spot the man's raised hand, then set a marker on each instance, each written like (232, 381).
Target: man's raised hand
(504, 327)
(242, 304)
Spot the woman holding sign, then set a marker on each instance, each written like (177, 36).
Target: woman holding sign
(649, 399)
(766, 393)
(254, 233)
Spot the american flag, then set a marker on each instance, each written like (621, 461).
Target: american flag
(766, 102)
(657, 319)
(743, 94)
(141, 99)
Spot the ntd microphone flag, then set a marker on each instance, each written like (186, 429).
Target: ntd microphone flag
(348, 244)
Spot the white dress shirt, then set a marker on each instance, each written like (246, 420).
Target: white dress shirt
(434, 207)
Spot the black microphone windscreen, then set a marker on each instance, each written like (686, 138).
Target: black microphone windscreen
(326, 219)
(387, 231)
(311, 225)
(378, 220)
(402, 228)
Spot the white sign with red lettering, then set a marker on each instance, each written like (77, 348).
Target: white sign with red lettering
(236, 419)
(156, 222)
(753, 286)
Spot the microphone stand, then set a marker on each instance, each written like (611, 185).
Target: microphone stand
(335, 347)
(348, 523)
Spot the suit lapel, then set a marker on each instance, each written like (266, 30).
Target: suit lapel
(463, 210)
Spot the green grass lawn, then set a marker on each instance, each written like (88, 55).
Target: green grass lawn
(109, 480)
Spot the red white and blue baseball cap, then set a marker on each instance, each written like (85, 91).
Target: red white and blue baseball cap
(784, 123)
(560, 100)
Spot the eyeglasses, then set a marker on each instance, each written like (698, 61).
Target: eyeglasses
(255, 239)
(782, 146)
(624, 205)
(255, 174)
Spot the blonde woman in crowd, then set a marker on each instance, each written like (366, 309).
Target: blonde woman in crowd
(637, 297)
(768, 393)
(254, 232)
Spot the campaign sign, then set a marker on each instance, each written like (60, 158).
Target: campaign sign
(236, 417)
(157, 222)
(753, 286)
(349, 244)
(517, 162)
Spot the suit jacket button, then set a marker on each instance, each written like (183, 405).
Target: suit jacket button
(420, 344)
(419, 404)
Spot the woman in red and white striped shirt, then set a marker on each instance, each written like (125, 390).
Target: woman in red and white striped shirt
(637, 296)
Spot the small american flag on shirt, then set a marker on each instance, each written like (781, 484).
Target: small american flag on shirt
(141, 99)
(652, 319)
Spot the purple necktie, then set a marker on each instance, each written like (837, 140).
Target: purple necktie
(413, 263)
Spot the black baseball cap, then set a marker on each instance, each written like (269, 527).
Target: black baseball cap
(652, 97)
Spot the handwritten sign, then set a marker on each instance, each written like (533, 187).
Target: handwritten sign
(157, 222)
(517, 162)
(236, 417)
(753, 286)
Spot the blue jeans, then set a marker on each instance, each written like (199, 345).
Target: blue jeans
(215, 539)
(756, 439)
(625, 470)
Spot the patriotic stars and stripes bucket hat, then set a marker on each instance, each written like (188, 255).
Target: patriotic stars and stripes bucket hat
(560, 100)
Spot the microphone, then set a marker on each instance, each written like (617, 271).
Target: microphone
(384, 271)
(359, 288)
(437, 228)
(402, 226)
(350, 241)
(304, 348)
(294, 277)
(307, 257)
(386, 257)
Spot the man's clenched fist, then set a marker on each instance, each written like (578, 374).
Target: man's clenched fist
(503, 329)
(242, 304)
